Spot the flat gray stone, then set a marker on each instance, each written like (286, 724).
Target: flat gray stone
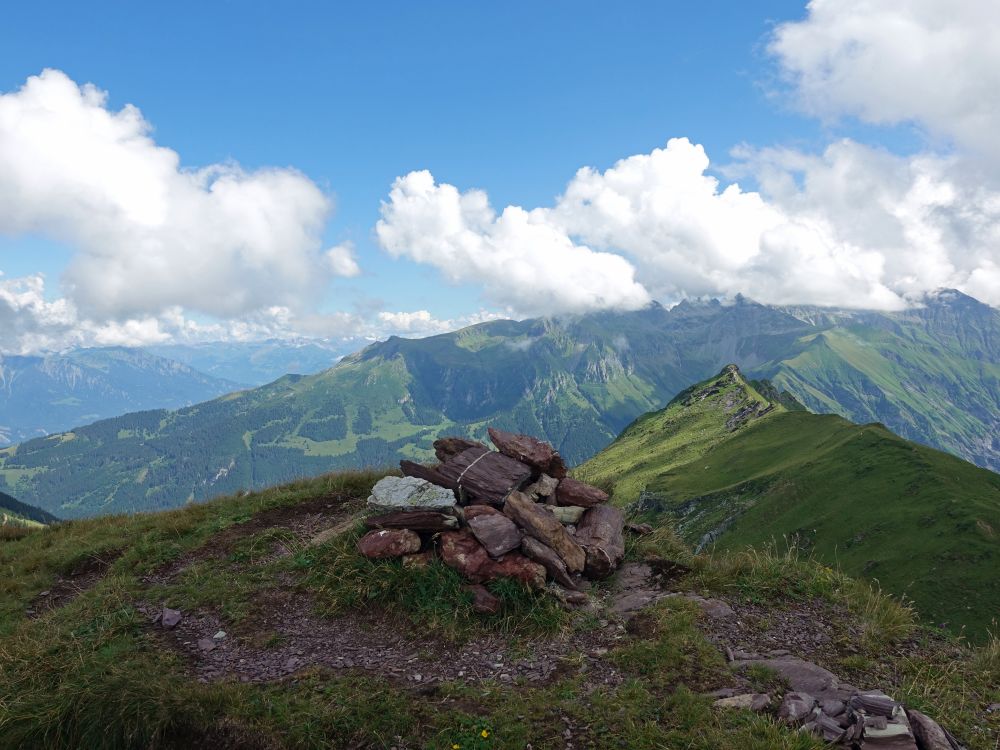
(409, 493)
(802, 676)
(170, 618)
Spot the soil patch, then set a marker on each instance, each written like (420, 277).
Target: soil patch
(284, 635)
(304, 520)
(83, 576)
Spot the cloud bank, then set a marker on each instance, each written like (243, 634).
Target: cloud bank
(853, 226)
(150, 235)
(886, 62)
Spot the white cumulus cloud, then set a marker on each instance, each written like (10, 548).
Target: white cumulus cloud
(520, 258)
(932, 62)
(149, 234)
(853, 226)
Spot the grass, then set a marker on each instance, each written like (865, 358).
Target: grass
(856, 497)
(91, 674)
(432, 597)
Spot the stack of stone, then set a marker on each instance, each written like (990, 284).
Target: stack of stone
(510, 512)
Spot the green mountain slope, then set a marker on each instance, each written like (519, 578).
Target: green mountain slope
(14, 513)
(922, 522)
(576, 381)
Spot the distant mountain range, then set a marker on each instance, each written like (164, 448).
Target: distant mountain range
(931, 374)
(47, 394)
(733, 466)
(258, 362)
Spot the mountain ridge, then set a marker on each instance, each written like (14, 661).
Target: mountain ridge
(855, 496)
(931, 375)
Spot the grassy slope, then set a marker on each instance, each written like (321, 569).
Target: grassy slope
(17, 514)
(661, 440)
(92, 674)
(922, 522)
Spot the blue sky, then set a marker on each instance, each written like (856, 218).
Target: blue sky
(508, 98)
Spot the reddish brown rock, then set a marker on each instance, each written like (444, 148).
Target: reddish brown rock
(449, 447)
(430, 473)
(574, 492)
(461, 551)
(483, 601)
(497, 533)
(479, 510)
(600, 534)
(537, 522)
(376, 545)
(417, 520)
(529, 450)
(516, 565)
(478, 475)
(548, 559)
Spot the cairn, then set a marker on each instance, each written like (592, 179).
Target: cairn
(510, 512)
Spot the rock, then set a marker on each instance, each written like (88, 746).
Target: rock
(377, 545)
(568, 597)
(207, 644)
(333, 532)
(875, 704)
(832, 707)
(802, 676)
(497, 533)
(574, 492)
(748, 701)
(548, 559)
(760, 702)
(416, 520)
(170, 618)
(628, 604)
(566, 514)
(483, 602)
(463, 552)
(430, 474)
(393, 494)
(471, 511)
(639, 529)
(220, 635)
(479, 476)
(449, 447)
(516, 565)
(418, 559)
(535, 521)
(544, 486)
(530, 451)
(714, 609)
(796, 707)
(600, 534)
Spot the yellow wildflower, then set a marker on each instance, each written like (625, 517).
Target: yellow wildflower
(484, 734)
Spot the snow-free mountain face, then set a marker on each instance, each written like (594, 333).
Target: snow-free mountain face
(929, 374)
(258, 362)
(43, 395)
